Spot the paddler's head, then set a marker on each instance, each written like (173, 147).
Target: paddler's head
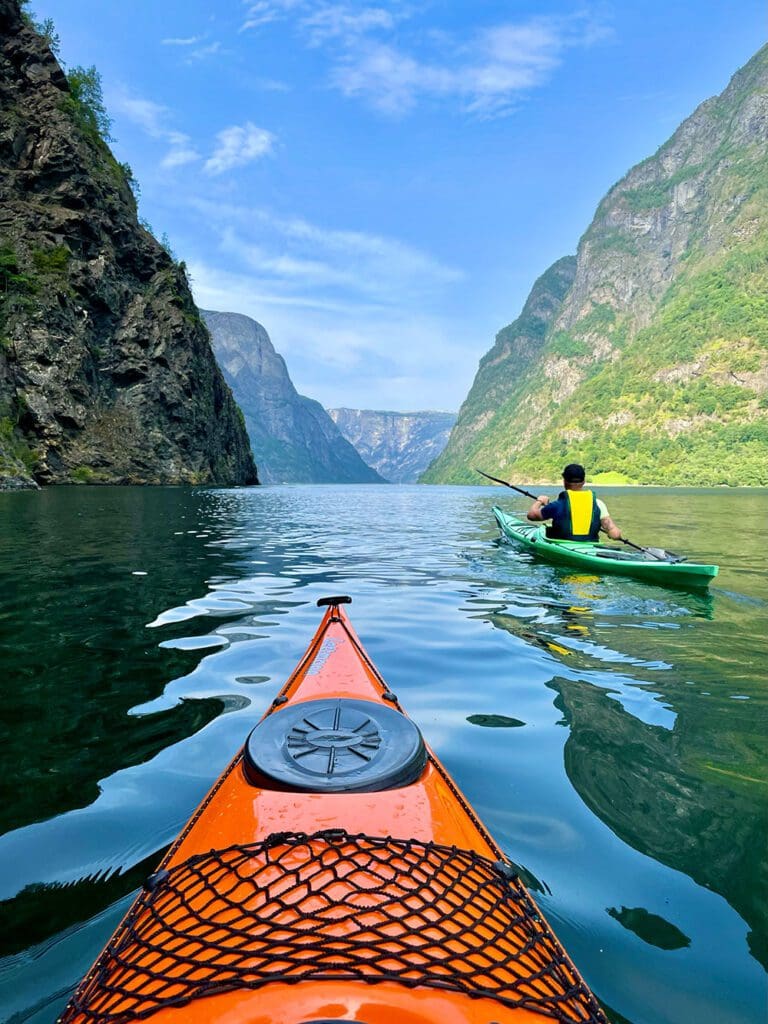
(573, 476)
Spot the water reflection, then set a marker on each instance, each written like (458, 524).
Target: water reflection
(655, 789)
(621, 724)
(650, 927)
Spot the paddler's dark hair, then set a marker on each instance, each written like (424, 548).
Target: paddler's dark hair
(574, 473)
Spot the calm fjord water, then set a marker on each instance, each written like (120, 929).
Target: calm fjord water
(611, 733)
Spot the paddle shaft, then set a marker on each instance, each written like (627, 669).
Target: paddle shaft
(506, 483)
(646, 551)
(528, 494)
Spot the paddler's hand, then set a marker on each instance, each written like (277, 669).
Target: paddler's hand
(543, 499)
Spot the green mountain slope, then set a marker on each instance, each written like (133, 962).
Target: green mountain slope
(655, 364)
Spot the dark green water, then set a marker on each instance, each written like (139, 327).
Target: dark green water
(611, 733)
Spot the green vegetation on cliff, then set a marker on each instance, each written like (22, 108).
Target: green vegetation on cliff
(106, 369)
(655, 362)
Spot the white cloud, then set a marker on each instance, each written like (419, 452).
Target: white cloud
(234, 146)
(145, 113)
(188, 41)
(391, 80)
(181, 152)
(484, 74)
(201, 52)
(239, 145)
(153, 119)
(322, 21)
(337, 21)
(265, 11)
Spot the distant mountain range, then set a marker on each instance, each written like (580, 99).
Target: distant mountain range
(399, 445)
(296, 440)
(646, 355)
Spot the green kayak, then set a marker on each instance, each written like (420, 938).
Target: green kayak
(661, 567)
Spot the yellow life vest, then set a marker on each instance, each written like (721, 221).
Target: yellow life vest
(578, 517)
(582, 506)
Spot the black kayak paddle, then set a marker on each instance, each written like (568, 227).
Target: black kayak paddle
(506, 483)
(658, 553)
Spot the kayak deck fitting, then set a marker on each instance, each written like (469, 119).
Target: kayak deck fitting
(604, 558)
(334, 872)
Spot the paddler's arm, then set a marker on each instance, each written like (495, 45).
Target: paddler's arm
(608, 526)
(534, 512)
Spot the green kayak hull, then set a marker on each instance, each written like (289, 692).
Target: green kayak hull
(602, 558)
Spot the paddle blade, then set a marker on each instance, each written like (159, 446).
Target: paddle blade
(668, 556)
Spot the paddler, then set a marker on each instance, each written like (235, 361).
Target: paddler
(576, 514)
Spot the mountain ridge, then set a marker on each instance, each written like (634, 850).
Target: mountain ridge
(297, 440)
(655, 365)
(399, 445)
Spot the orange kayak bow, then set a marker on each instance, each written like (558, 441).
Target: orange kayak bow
(334, 873)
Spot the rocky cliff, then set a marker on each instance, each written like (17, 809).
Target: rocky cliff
(501, 379)
(296, 439)
(399, 445)
(106, 369)
(655, 363)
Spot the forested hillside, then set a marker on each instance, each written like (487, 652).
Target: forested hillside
(653, 364)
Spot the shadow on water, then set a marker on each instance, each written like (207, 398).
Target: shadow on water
(72, 628)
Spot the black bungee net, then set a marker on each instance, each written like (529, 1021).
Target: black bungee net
(332, 907)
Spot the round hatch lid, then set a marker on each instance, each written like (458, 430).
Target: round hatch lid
(337, 745)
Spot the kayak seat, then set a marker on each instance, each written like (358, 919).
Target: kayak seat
(336, 745)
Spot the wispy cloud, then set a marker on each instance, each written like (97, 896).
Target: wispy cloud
(239, 145)
(154, 119)
(186, 41)
(181, 152)
(303, 256)
(337, 21)
(265, 11)
(374, 58)
(486, 74)
(202, 52)
(196, 52)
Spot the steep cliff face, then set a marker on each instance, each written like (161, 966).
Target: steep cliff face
(106, 369)
(399, 445)
(656, 365)
(501, 379)
(296, 439)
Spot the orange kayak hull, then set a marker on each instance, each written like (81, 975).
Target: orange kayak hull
(280, 904)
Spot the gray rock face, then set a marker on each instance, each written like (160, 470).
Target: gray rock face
(106, 369)
(652, 364)
(296, 439)
(399, 445)
(501, 376)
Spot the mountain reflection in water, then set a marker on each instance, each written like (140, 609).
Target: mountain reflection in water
(610, 733)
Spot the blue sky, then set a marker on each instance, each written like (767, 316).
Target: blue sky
(380, 184)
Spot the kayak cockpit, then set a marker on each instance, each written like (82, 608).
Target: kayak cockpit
(341, 745)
